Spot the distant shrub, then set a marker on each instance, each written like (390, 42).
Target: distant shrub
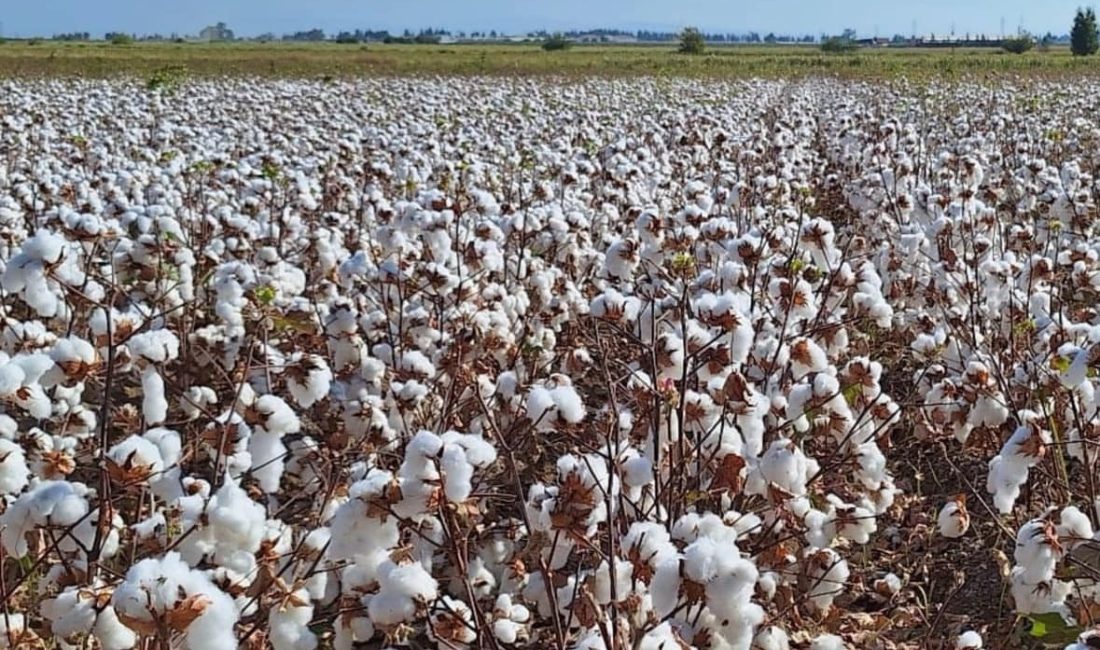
(557, 42)
(347, 39)
(692, 41)
(837, 44)
(119, 38)
(1018, 44)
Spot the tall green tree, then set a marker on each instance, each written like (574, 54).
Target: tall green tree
(692, 41)
(1084, 39)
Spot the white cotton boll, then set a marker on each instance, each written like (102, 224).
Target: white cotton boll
(969, 640)
(151, 527)
(154, 406)
(388, 609)
(288, 623)
(1073, 526)
(57, 503)
(310, 379)
(1037, 551)
(1077, 372)
(13, 626)
(452, 624)
(806, 357)
(34, 400)
(828, 573)
(953, 520)
(785, 466)
(13, 468)
(277, 416)
(637, 471)
(268, 452)
(458, 474)
(136, 458)
(111, 633)
(660, 638)
(569, 405)
(828, 642)
(70, 613)
(156, 346)
(540, 405)
(12, 378)
(479, 452)
(771, 638)
(196, 399)
(156, 586)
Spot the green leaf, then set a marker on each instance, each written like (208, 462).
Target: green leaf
(265, 295)
(1052, 629)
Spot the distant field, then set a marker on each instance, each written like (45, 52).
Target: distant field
(22, 58)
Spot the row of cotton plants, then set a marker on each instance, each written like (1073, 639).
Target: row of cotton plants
(475, 363)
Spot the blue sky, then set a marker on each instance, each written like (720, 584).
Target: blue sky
(249, 17)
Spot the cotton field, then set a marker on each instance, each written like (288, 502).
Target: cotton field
(484, 363)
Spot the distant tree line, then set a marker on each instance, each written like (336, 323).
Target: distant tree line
(1084, 26)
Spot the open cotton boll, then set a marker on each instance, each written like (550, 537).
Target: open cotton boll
(569, 405)
(771, 638)
(828, 574)
(56, 503)
(828, 642)
(274, 415)
(111, 633)
(806, 357)
(308, 379)
(969, 640)
(458, 474)
(13, 468)
(452, 624)
(156, 346)
(953, 520)
(288, 623)
(166, 591)
(134, 459)
(268, 453)
(71, 612)
(540, 406)
(154, 405)
(13, 628)
(237, 526)
(12, 378)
